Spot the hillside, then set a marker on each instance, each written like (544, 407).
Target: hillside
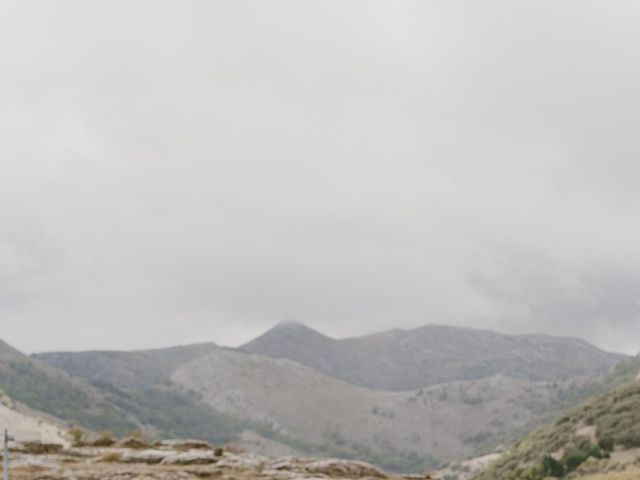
(137, 370)
(99, 405)
(399, 360)
(410, 430)
(599, 438)
(27, 426)
(55, 392)
(280, 405)
(273, 405)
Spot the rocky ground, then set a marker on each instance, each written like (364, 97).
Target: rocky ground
(180, 460)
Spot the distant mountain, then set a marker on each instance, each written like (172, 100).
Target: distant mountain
(409, 359)
(599, 436)
(141, 369)
(401, 399)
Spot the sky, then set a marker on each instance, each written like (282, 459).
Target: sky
(176, 172)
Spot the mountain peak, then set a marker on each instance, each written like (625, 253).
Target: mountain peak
(295, 341)
(290, 323)
(288, 331)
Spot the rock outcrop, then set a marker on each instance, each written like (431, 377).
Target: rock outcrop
(169, 463)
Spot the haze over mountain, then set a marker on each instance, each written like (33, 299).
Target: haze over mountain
(410, 359)
(206, 168)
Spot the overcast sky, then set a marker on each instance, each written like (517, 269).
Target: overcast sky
(176, 172)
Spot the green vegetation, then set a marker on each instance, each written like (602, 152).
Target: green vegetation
(175, 414)
(105, 439)
(613, 418)
(59, 395)
(100, 406)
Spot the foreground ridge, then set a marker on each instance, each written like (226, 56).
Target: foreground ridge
(176, 459)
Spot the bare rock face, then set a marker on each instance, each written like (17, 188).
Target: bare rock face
(118, 463)
(185, 444)
(244, 461)
(132, 442)
(145, 456)
(344, 468)
(191, 457)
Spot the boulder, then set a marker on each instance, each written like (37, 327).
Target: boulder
(132, 442)
(244, 461)
(191, 457)
(185, 444)
(145, 456)
(344, 468)
(284, 464)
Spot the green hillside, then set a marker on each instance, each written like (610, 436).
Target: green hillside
(599, 436)
(98, 406)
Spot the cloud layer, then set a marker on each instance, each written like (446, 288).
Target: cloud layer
(174, 172)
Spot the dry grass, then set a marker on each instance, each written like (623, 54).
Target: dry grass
(629, 474)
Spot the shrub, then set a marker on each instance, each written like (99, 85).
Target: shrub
(552, 467)
(573, 460)
(77, 436)
(606, 443)
(111, 457)
(105, 439)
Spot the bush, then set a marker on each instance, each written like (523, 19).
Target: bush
(105, 439)
(111, 457)
(77, 436)
(552, 467)
(606, 443)
(573, 460)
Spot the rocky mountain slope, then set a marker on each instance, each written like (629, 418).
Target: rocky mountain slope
(599, 438)
(410, 359)
(408, 430)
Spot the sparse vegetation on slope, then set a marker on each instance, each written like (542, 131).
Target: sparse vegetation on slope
(56, 393)
(593, 430)
(100, 406)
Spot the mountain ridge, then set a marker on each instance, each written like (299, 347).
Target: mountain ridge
(395, 359)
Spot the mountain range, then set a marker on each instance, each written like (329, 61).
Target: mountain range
(405, 400)
(409, 359)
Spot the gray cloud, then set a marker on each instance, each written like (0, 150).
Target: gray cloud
(175, 172)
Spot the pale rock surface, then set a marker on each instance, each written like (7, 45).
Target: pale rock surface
(185, 444)
(191, 457)
(344, 468)
(91, 463)
(29, 429)
(145, 456)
